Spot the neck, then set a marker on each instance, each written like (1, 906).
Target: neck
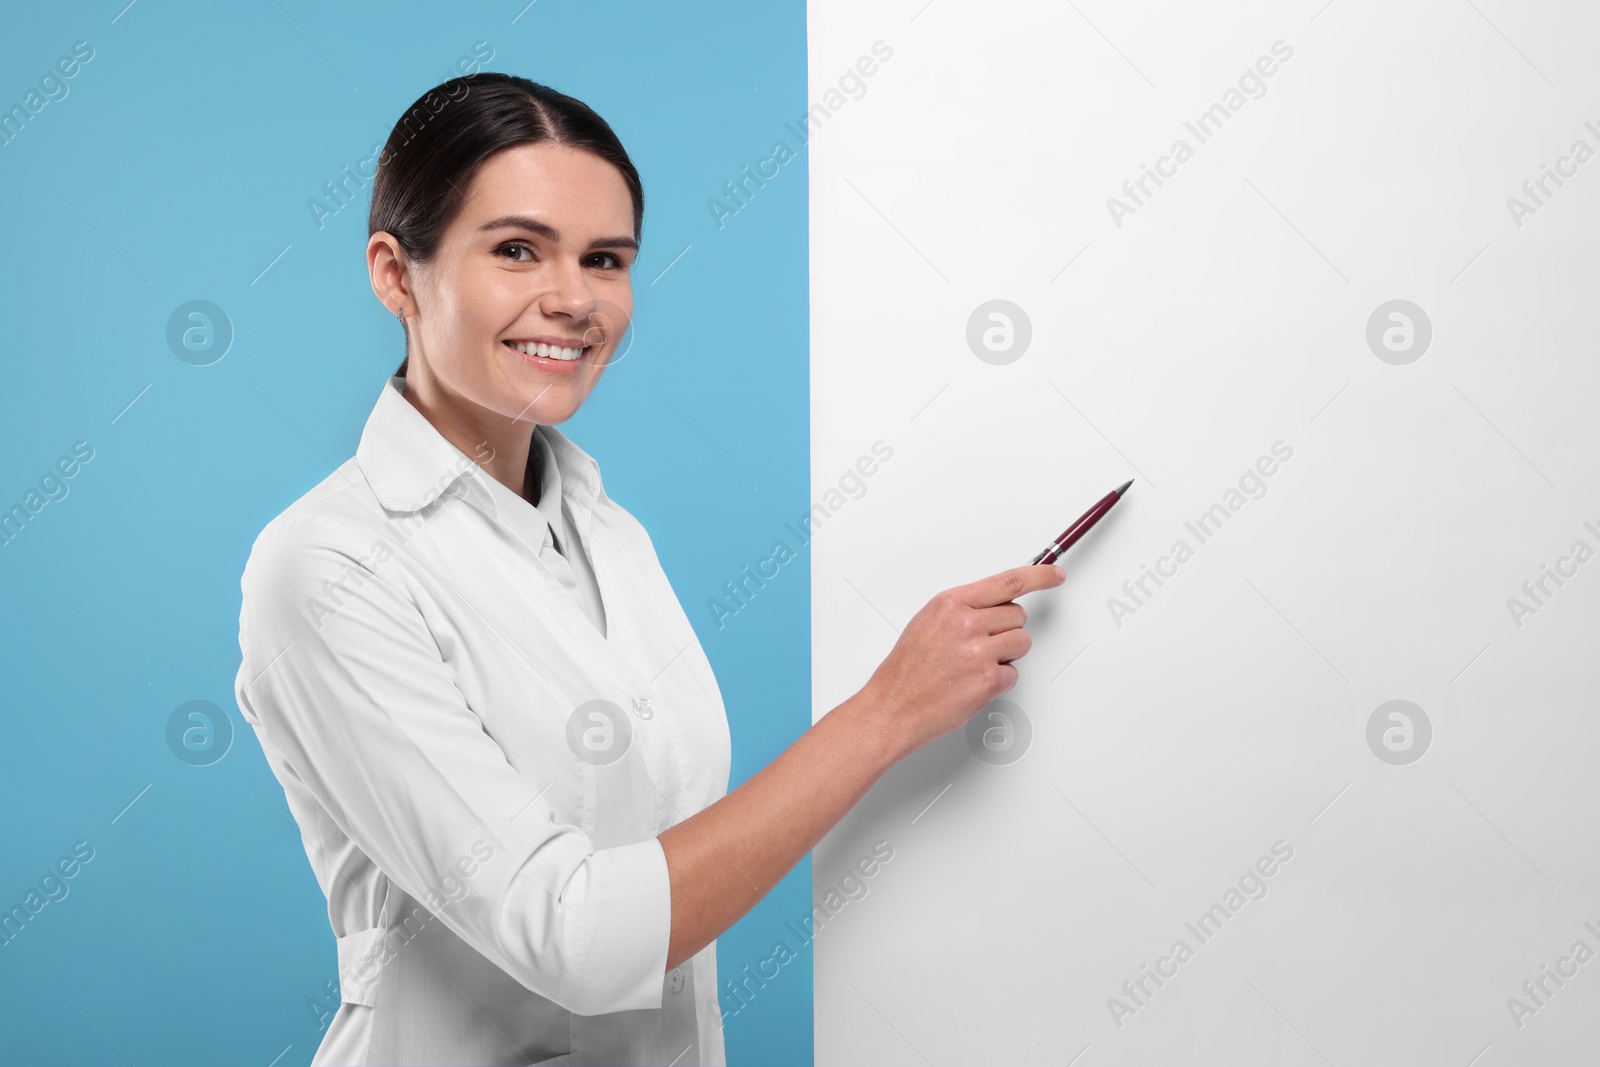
(500, 445)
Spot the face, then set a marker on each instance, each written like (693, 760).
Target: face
(539, 255)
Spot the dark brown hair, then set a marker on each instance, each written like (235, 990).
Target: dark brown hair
(436, 148)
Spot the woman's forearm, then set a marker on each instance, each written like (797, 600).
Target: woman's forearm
(955, 656)
(725, 858)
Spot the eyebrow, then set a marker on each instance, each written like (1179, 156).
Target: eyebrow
(544, 229)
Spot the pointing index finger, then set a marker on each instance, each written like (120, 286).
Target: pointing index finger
(1011, 583)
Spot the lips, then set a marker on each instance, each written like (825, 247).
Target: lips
(558, 365)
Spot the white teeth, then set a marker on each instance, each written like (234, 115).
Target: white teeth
(548, 351)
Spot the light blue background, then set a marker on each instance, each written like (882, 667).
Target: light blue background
(178, 167)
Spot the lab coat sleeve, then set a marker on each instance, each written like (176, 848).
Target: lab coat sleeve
(341, 672)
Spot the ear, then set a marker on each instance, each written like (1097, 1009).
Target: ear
(390, 274)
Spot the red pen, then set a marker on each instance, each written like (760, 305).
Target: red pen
(1071, 534)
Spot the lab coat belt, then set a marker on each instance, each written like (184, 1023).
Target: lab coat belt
(360, 961)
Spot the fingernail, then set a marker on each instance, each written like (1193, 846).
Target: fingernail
(1060, 571)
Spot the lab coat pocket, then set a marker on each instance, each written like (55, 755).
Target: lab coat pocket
(361, 957)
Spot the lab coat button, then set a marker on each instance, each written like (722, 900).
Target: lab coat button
(642, 708)
(675, 980)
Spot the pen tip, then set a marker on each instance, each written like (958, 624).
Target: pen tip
(1123, 488)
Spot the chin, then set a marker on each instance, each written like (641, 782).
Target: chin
(545, 406)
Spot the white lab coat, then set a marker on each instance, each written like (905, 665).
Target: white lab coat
(421, 686)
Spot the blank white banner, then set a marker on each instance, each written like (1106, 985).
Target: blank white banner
(1300, 766)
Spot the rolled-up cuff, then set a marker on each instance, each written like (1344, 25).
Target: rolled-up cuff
(625, 923)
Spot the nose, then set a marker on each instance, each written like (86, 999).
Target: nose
(569, 292)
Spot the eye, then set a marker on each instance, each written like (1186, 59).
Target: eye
(518, 246)
(607, 261)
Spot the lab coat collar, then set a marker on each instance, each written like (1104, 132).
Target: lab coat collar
(409, 464)
(549, 504)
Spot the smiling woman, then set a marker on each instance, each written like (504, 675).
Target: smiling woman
(470, 688)
(489, 292)
(431, 710)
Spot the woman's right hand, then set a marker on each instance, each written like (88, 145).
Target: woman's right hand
(954, 657)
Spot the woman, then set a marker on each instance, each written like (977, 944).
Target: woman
(504, 746)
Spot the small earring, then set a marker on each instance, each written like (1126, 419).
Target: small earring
(401, 315)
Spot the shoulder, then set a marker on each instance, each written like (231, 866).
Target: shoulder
(323, 560)
(333, 523)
